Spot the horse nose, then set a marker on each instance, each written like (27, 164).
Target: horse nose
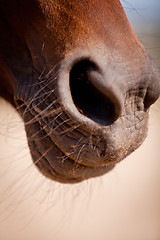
(102, 91)
(93, 93)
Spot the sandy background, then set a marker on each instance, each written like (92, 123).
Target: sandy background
(122, 205)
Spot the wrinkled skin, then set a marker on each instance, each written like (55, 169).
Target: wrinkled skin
(81, 81)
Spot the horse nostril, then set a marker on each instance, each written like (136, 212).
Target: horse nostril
(90, 100)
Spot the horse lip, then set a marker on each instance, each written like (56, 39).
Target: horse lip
(81, 169)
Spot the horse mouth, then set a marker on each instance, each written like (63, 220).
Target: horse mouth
(69, 155)
(64, 169)
(74, 136)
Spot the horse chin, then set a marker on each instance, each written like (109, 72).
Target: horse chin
(54, 164)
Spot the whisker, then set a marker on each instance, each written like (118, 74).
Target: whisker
(69, 130)
(44, 113)
(43, 88)
(45, 126)
(78, 155)
(67, 120)
(42, 155)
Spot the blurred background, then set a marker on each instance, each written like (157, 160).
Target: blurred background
(144, 16)
(122, 205)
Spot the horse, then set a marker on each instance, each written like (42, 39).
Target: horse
(81, 81)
